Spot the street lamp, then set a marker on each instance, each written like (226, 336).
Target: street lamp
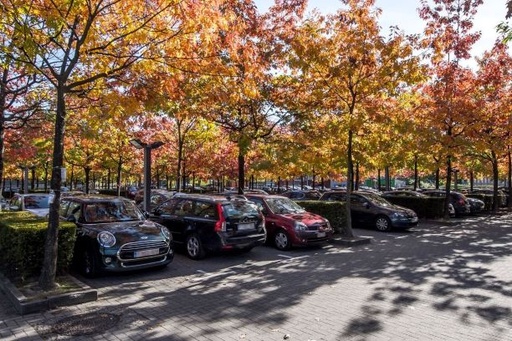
(147, 166)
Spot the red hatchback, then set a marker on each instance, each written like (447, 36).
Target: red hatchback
(288, 224)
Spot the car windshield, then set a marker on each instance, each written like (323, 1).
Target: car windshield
(237, 208)
(112, 211)
(284, 206)
(35, 201)
(377, 199)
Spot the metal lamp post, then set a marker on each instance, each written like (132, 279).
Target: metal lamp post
(147, 166)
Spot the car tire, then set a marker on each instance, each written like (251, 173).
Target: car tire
(194, 247)
(90, 267)
(383, 224)
(282, 240)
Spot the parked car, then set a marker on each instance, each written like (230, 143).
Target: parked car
(211, 223)
(288, 224)
(502, 195)
(114, 235)
(370, 209)
(156, 197)
(306, 194)
(476, 205)
(458, 200)
(402, 193)
(37, 203)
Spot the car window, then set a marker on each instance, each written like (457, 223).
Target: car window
(111, 211)
(184, 207)
(36, 201)
(259, 203)
(167, 207)
(237, 208)
(337, 197)
(63, 208)
(205, 210)
(284, 206)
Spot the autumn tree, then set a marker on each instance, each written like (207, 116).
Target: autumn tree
(350, 65)
(448, 40)
(20, 101)
(243, 94)
(74, 46)
(490, 135)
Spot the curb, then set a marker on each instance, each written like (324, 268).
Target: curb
(24, 305)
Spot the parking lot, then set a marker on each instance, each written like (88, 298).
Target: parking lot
(435, 282)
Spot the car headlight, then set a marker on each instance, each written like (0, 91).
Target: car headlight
(166, 233)
(106, 239)
(398, 215)
(300, 226)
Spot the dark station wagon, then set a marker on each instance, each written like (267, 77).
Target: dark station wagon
(113, 234)
(211, 223)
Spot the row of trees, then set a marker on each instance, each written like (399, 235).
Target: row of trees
(231, 90)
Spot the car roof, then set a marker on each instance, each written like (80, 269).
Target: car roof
(208, 197)
(261, 195)
(33, 194)
(89, 198)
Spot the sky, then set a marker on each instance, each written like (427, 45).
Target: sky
(404, 14)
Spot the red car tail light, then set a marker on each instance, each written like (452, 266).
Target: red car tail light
(220, 225)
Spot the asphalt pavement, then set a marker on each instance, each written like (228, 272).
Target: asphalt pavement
(435, 282)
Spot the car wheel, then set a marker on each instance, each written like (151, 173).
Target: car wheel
(90, 264)
(194, 247)
(282, 240)
(382, 223)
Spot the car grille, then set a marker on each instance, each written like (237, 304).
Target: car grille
(318, 227)
(127, 251)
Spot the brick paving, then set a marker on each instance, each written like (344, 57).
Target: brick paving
(436, 282)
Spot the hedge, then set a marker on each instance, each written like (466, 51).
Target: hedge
(334, 211)
(22, 243)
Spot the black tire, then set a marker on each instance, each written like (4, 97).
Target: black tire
(383, 224)
(282, 240)
(90, 266)
(194, 247)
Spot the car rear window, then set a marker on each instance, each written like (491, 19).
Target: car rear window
(236, 208)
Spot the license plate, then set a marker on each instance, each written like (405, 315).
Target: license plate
(249, 226)
(145, 253)
(321, 234)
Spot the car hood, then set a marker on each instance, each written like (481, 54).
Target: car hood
(399, 209)
(307, 218)
(130, 231)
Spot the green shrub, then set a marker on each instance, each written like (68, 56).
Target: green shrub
(22, 243)
(334, 211)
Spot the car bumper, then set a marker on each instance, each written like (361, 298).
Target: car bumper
(404, 223)
(311, 237)
(238, 243)
(114, 264)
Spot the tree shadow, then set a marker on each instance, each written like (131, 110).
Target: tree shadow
(447, 268)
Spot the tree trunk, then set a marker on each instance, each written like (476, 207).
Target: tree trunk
(495, 175)
(49, 270)
(415, 172)
(509, 178)
(118, 176)
(348, 231)
(446, 212)
(241, 172)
